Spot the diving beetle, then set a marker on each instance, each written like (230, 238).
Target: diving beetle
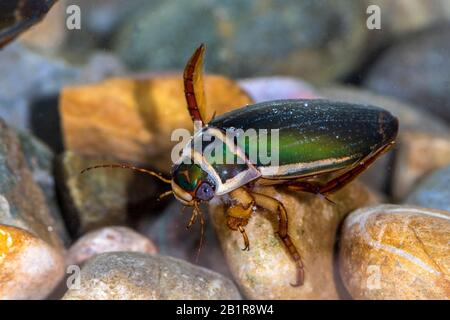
(317, 138)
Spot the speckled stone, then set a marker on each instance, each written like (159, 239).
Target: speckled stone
(266, 270)
(108, 239)
(396, 252)
(137, 276)
(22, 202)
(433, 191)
(29, 267)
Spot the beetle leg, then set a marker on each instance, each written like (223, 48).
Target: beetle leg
(193, 86)
(244, 235)
(193, 219)
(202, 229)
(342, 180)
(274, 205)
(240, 212)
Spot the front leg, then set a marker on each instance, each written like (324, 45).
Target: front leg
(239, 212)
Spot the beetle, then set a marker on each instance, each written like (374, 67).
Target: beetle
(317, 139)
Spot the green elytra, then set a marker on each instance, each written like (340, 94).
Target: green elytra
(315, 136)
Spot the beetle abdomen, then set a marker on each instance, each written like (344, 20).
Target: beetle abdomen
(314, 135)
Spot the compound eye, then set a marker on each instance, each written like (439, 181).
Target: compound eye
(205, 192)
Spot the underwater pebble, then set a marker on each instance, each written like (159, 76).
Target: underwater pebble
(418, 155)
(396, 252)
(433, 191)
(102, 197)
(140, 116)
(138, 276)
(109, 239)
(266, 270)
(100, 21)
(404, 16)
(30, 86)
(40, 159)
(29, 267)
(417, 70)
(22, 202)
(28, 77)
(274, 88)
(319, 40)
(168, 231)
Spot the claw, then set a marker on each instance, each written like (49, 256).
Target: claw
(193, 219)
(246, 242)
(300, 278)
(328, 199)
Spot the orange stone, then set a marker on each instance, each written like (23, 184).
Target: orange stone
(132, 119)
(29, 267)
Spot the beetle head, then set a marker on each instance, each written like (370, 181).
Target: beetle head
(191, 184)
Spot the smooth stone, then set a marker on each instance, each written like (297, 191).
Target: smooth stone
(29, 267)
(102, 197)
(266, 271)
(28, 76)
(108, 239)
(396, 252)
(416, 70)
(419, 133)
(22, 202)
(276, 88)
(40, 159)
(138, 120)
(319, 40)
(433, 191)
(419, 155)
(168, 231)
(138, 276)
(404, 16)
(99, 23)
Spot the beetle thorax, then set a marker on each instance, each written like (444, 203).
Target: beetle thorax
(220, 157)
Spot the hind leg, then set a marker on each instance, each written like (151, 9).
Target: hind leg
(276, 206)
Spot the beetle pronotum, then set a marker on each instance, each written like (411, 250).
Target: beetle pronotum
(316, 137)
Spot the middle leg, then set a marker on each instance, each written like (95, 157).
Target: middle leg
(240, 211)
